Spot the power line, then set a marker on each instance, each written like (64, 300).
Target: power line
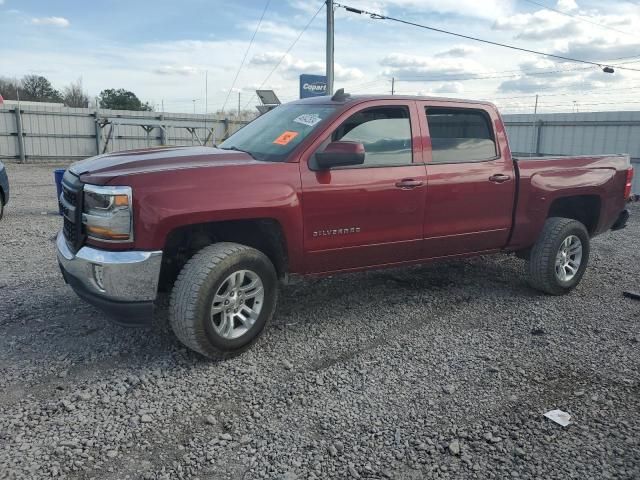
(578, 18)
(486, 75)
(233, 84)
(286, 53)
(378, 16)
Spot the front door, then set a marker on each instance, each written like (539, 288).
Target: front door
(471, 182)
(370, 214)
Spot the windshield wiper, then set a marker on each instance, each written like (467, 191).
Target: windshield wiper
(240, 150)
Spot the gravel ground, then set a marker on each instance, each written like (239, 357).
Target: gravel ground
(440, 371)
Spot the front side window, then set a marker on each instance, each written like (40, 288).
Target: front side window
(460, 135)
(385, 133)
(272, 136)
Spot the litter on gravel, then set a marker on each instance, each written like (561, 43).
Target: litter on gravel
(558, 416)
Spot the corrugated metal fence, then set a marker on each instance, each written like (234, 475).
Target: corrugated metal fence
(577, 134)
(36, 133)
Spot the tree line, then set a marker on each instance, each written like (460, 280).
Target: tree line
(36, 88)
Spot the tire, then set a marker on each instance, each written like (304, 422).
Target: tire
(544, 274)
(201, 323)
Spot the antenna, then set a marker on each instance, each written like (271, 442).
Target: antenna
(340, 96)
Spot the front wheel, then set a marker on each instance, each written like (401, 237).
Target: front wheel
(559, 257)
(223, 298)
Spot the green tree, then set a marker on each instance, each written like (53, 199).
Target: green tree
(36, 88)
(121, 99)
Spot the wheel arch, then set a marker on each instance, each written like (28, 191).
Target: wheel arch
(585, 209)
(263, 234)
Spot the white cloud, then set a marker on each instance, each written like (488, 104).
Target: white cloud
(295, 66)
(450, 87)
(599, 48)
(53, 21)
(567, 5)
(540, 25)
(576, 79)
(549, 25)
(184, 70)
(459, 51)
(414, 67)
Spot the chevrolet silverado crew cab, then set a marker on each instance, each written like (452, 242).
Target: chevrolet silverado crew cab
(321, 186)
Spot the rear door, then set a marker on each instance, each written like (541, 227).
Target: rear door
(369, 214)
(471, 182)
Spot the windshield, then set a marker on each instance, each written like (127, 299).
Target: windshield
(275, 134)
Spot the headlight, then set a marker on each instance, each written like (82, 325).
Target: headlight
(107, 213)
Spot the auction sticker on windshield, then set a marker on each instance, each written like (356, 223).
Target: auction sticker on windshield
(308, 119)
(285, 138)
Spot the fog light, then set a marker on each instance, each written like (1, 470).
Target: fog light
(98, 276)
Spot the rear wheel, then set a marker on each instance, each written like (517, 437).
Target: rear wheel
(559, 257)
(223, 298)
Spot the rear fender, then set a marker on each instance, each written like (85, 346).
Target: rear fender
(538, 192)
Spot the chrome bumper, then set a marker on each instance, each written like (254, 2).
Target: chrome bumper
(119, 277)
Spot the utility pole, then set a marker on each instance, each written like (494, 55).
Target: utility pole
(329, 57)
(535, 109)
(239, 105)
(393, 85)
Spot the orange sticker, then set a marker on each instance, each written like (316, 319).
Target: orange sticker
(285, 138)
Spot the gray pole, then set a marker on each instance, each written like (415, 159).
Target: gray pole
(393, 85)
(330, 27)
(535, 109)
(239, 105)
(20, 134)
(97, 127)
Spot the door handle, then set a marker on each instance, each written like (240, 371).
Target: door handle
(499, 178)
(408, 183)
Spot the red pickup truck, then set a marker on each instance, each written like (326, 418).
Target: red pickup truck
(320, 186)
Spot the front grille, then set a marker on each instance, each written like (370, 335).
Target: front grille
(71, 205)
(69, 230)
(69, 195)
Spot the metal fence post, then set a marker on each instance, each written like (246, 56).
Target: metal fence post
(163, 131)
(98, 130)
(225, 133)
(20, 134)
(539, 125)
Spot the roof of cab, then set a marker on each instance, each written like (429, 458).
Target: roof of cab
(326, 100)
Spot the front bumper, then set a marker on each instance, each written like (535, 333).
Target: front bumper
(123, 284)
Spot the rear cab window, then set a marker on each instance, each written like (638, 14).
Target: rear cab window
(460, 135)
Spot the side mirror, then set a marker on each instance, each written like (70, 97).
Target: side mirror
(340, 154)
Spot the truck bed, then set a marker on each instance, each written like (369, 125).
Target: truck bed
(594, 181)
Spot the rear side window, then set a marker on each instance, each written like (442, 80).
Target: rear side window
(385, 133)
(460, 135)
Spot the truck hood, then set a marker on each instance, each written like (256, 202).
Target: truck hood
(133, 162)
